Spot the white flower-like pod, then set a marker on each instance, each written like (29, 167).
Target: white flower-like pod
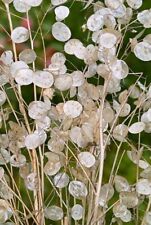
(59, 58)
(43, 123)
(21, 6)
(63, 83)
(31, 181)
(91, 70)
(37, 109)
(119, 69)
(109, 21)
(77, 212)
(128, 16)
(52, 167)
(130, 199)
(114, 85)
(125, 110)
(61, 12)
(3, 215)
(106, 193)
(107, 40)
(5, 191)
(86, 159)
(72, 45)
(28, 56)
(18, 160)
(5, 211)
(4, 156)
(106, 55)
(16, 66)
(144, 18)
(103, 11)
(42, 135)
(147, 38)
(120, 132)
(24, 76)
(78, 78)
(43, 79)
(3, 79)
(57, 69)
(51, 156)
(53, 213)
(88, 131)
(35, 139)
(134, 157)
(72, 108)
(91, 54)
(134, 4)
(80, 52)
(32, 141)
(148, 116)
(147, 218)
(134, 91)
(58, 2)
(143, 187)
(119, 209)
(95, 22)
(78, 189)
(108, 114)
(73, 92)
(61, 32)
(20, 35)
(56, 145)
(7, 57)
(61, 180)
(77, 136)
(119, 12)
(122, 110)
(2, 98)
(34, 3)
(146, 173)
(25, 170)
(136, 128)
(142, 51)
(126, 217)
(113, 4)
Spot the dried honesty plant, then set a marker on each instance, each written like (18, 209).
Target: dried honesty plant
(73, 146)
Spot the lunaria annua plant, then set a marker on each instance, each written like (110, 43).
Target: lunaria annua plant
(73, 127)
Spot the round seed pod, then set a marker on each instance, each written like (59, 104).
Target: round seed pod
(53, 213)
(61, 32)
(86, 159)
(61, 180)
(77, 212)
(72, 109)
(77, 189)
(28, 56)
(142, 51)
(20, 35)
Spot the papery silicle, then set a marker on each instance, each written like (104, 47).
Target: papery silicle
(78, 189)
(86, 159)
(77, 212)
(20, 35)
(61, 32)
(72, 109)
(53, 213)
